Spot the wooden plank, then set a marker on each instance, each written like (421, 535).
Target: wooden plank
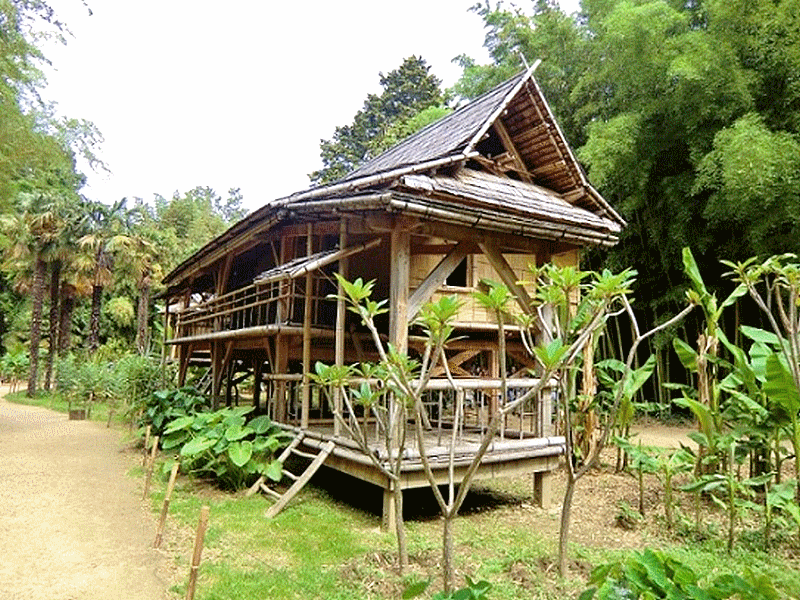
(301, 481)
(507, 275)
(436, 278)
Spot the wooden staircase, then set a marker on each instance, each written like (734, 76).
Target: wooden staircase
(299, 479)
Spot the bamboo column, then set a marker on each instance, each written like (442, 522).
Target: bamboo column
(306, 392)
(400, 257)
(341, 317)
(281, 340)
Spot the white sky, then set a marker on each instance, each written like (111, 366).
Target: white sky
(237, 93)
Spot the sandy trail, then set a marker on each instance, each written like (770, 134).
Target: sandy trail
(72, 523)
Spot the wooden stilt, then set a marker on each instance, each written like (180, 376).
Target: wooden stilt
(258, 371)
(341, 317)
(542, 489)
(388, 518)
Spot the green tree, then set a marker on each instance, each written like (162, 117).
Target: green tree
(189, 220)
(105, 224)
(407, 90)
(24, 146)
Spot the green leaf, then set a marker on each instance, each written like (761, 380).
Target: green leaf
(240, 452)
(197, 445)
(416, 589)
(237, 432)
(274, 470)
(260, 424)
(780, 386)
(178, 424)
(693, 273)
(759, 335)
(686, 354)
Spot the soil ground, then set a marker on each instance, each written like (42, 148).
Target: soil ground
(72, 524)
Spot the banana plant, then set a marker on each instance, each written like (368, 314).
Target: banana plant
(705, 364)
(774, 285)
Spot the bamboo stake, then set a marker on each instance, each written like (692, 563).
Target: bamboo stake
(146, 442)
(150, 464)
(164, 509)
(202, 524)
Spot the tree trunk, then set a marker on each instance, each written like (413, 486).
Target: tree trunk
(36, 323)
(563, 535)
(65, 318)
(448, 571)
(142, 317)
(402, 546)
(55, 280)
(94, 321)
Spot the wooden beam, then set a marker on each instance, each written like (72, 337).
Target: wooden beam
(400, 249)
(436, 278)
(507, 275)
(503, 241)
(185, 354)
(508, 144)
(221, 276)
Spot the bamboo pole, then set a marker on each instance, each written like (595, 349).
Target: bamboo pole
(150, 464)
(306, 390)
(202, 525)
(164, 509)
(146, 442)
(341, 317)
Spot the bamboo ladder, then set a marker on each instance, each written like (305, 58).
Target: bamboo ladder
(299, 479)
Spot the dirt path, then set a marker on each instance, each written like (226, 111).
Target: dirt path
(72, 524)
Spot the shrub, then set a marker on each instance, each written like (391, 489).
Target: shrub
(223, 446)
(164, 406)
(653, 574)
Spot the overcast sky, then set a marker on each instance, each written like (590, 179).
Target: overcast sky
(236, 93)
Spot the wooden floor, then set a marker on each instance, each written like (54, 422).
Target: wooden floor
(509, 456)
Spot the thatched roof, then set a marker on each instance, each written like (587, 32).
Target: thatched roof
(500, 163)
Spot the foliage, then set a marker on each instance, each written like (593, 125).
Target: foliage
(474, 590)
(163, 406)
(654, 574)
(85, 381)
(136, 378)
(384, 119)
(187, 221)
(14, 366)
(222, 445)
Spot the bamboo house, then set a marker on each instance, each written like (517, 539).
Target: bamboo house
(480, 194)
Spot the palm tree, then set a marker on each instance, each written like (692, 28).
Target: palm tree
(63, 257)
(143, 266)
(105, 223)
(31, 233)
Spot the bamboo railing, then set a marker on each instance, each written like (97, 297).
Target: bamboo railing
(467, 408)
(254, 305)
